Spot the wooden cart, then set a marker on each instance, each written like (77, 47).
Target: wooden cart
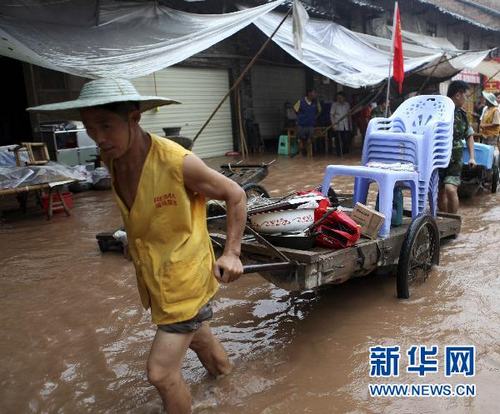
(411, 250)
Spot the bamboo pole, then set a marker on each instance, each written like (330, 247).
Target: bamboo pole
(430, 75)
(238, 81)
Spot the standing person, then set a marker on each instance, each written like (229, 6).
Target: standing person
(161, 189)
(490, 121)
(341, 124)
(308, 109)
(360, 120)
(478, 110)
(449, 178)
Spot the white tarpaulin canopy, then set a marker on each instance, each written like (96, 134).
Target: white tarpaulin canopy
(130, 39)
(491, 69)
(355, 59)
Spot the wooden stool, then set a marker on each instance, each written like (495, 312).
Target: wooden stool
(55, 204)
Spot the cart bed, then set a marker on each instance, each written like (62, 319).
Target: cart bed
(320, 266)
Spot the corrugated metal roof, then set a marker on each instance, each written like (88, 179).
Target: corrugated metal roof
(474, 14)
(318, 12)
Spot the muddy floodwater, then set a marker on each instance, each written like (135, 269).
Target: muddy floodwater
(75, 338)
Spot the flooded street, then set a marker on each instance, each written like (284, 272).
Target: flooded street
(75, 338)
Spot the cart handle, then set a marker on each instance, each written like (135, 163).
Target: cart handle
(268, 267)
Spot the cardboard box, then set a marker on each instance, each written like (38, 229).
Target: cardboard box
(369, 219)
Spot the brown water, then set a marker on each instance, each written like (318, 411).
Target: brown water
(75, 339)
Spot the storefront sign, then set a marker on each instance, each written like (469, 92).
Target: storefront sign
(492, 86)
(468, 76)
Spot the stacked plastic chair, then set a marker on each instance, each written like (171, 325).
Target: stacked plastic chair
(405, 150)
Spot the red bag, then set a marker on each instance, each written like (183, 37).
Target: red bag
(337, 231)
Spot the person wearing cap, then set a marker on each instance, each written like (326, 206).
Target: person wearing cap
(161, 189)
(490, 121)
(449, 178)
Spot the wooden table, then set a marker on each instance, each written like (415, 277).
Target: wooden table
(53, 187)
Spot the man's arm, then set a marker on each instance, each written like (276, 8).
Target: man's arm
(333, 111)
(199, 178)
(349, 116)
(470, 146)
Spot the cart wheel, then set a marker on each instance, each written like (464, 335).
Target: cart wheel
(420, 251)
(494, 179)
(255, 190)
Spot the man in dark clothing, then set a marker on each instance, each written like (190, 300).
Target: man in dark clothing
(307, 109)
(449, 178)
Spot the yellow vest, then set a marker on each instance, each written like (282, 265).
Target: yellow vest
(168, 238)
(494, 130)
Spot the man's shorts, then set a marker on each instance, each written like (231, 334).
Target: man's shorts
(450, 175)
(190, 325)
(305, 133)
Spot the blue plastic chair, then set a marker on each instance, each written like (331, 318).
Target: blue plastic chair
(419, 133)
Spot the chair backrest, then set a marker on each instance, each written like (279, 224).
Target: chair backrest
(418, 112)
(420, 132)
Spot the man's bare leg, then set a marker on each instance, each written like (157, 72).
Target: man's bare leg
(452, 196)
(164, 370)
(443, 200)
(210, 351)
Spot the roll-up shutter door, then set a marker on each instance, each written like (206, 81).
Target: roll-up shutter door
(272, 86)
(199, 90)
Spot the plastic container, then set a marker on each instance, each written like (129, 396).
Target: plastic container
(67, 197)
(283, 221)
(397, 207)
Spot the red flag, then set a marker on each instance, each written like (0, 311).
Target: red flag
(397, 46)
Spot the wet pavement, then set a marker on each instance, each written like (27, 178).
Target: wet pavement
(75, 338)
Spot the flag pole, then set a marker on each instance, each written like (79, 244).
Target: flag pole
(391, 58)
(388, 90)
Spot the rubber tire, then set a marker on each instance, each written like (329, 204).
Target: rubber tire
(257, 188)
(494, 179)
(402, 283)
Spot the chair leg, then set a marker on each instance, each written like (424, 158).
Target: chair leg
(361, 187)
(65, 207)
(386, 192)
(51, 205)
(327, 180)
(414, 199)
